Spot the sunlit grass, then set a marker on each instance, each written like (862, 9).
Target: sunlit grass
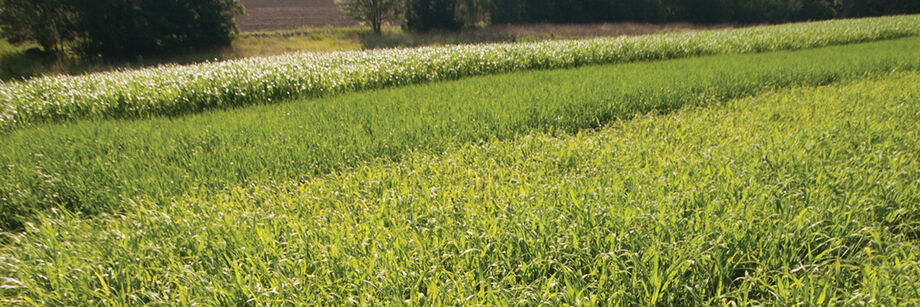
(794, 197)
(96, 166)
(174, 90)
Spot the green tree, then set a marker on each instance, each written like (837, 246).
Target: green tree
(816, 10)
(120, 28)
(472, 12)
(50, 23)
(507, 11)
(425, 15)
(862, 8)
(373, 12)
(126, 28)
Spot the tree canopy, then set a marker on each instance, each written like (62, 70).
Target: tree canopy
(423, 15)
(373, 12)
(120, 28)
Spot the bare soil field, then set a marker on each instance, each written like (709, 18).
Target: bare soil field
(266, 15)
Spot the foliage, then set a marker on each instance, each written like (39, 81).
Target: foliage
(859, 8)
(702, 11)
(473, 12)
(174, 90)
(425, 15)
(799, 197)
(117, 28)
(48, 22)
(129, 28)
(373, 12)
(95, 167)
(710, 180)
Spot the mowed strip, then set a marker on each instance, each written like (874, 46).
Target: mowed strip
(96, 166)
(798, 197)
(176, 90)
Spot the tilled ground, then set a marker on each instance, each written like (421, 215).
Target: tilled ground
(264, 15)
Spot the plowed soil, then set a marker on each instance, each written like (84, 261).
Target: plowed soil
(266, 15)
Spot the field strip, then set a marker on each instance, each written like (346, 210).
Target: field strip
(175, 90)
(799, 196)
(95, 166)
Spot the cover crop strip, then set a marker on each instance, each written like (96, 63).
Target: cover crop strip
(96, 166)
(800, 197)
(174, 90)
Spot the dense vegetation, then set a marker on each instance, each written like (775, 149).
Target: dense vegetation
(762, 166)
(119, 28)
(702, 11)
(373, 12)
(97, 166)
(800, 197)
(174, 90)
(425, 15)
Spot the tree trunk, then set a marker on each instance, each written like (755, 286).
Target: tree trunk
(376, 26)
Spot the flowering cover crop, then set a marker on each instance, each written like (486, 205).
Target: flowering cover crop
(174, 89)
(98, 166)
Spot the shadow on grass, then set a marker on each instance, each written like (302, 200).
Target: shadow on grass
(522, 33)
(25, 64)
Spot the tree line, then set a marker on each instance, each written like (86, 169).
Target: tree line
(424, 15)
(119, 28)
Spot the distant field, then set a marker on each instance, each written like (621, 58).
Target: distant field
(263, 15)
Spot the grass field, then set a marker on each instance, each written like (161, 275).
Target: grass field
(177, 90)
(763, 166)
(803, 196)
(11, 60)
(276, 27)
(16, 65)
(94, 166)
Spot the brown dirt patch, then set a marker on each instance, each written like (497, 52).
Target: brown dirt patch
(267, 15)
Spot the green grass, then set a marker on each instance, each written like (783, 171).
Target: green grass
(795, 197)
(5, 48)
(10, 60)
(280, 44)
(18, 66)
(97, 166)
(176, 90)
